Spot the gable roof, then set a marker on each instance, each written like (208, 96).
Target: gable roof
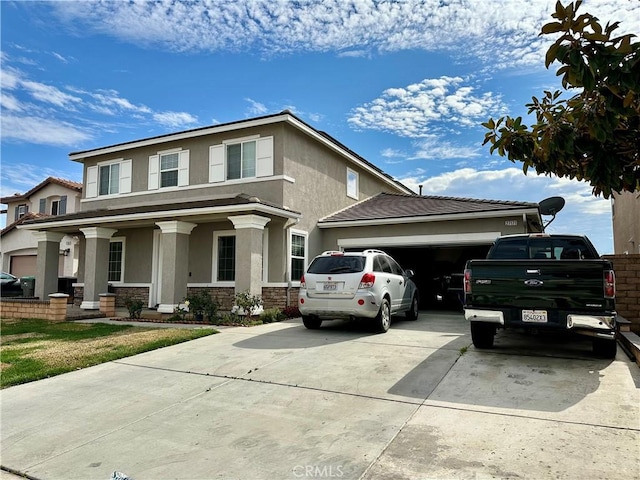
(284, 116)
(70, 184)
(26, 217)
(386, 206)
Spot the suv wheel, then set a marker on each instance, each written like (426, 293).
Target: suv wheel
(312, 323)
(482, 334)
(383, 319)
(604, 348)
(412, 313)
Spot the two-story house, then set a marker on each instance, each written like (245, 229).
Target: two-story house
(244, 206)
(51, 198)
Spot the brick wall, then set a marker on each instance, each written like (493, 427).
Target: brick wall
(627, 269)
(54, 309)
(223, 295)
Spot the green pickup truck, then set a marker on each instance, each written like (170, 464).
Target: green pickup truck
(542, 282)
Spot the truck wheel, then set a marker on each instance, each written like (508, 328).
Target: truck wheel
(382, 322)
(604, 348)
(312, 323)
(482, 334)
(412, 313)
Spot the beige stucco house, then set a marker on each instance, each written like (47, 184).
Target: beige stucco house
(52, 197)
(245, 206)
(626, 222)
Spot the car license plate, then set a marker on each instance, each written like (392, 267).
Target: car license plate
(330, 286)
(534, 316)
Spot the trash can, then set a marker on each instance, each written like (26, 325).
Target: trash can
(28, 286)
(65, 285)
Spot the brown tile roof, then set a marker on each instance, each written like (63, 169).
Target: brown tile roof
(240, 199)
(70, 184)
(387, 205)
(26, 217)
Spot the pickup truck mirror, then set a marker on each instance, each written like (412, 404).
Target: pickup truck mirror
(409, 273)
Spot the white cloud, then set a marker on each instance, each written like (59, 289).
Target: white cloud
(422, 108)
(500, 33)
(42, 131)
(175, 119)
(49, 94)
(436, 148)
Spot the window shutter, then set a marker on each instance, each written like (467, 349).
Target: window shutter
(264, 157)
(62, 209)
(125, 176)
(92, 182)
(43, 205)
(183, 168)
(17, 215)
(154, 172)
(216, 163)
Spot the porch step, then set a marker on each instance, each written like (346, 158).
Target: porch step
(76, 313)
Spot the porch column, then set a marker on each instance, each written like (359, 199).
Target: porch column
(96, 265)
(249, 231)
(175, 263)
(47, 263)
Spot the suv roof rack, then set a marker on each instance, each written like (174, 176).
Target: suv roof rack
(332, 252)
(373, 250)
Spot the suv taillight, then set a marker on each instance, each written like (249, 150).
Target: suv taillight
(467, 281)
(609, 284)
(303, 283)
(368, 279)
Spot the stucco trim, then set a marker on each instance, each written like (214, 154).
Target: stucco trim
(422, 240)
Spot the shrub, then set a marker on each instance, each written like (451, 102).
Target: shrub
(201, 304)
(247, 304)
(272, 315)
(134, 306)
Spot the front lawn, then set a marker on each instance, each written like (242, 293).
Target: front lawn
(32, 349)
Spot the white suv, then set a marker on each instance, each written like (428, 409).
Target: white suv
(349, 285)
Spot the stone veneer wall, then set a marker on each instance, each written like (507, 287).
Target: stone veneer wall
(627, 270)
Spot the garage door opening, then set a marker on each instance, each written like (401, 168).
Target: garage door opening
(438, 271)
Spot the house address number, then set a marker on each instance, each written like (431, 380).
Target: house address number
(511, 223)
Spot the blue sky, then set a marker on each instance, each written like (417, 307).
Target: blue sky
(405, 85)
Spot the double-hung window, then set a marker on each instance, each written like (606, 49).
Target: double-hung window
(298, 254)
(240, 159)
(116, 260)
(108, 178)
(169, 170)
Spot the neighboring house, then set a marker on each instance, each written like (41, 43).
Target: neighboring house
(245, 206)
(626, 222)
(51, 198)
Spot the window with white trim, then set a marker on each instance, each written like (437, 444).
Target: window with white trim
(224, 255)
(108, 178)
(21, 211)
(298, 254)
(241, 158)
(169, 170)
(352, 184)
(55, 207)
(116, 260)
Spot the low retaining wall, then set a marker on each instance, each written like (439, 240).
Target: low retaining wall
(54, 309)
(627, 269)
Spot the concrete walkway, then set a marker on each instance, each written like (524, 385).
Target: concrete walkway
(281, 402)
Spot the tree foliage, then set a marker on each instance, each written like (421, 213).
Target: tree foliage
(595, 134)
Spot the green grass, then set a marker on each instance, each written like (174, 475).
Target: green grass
(32, 349)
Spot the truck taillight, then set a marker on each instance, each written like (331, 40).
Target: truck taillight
(609, 284)
(367, 281)
(467, 281)
(303, 283)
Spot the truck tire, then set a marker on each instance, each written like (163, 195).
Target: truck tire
(604, 348)
(482, 334)
(312, 323)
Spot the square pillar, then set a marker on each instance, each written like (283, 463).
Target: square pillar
(108, 304)
(47, 263)
(249, 239)
(96, 265)
(175, 263)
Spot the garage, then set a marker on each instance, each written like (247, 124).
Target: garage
(23, 265)
(434, 236)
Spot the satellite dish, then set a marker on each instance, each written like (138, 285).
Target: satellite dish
(550, 206)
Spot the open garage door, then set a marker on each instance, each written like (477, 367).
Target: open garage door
(438, 270)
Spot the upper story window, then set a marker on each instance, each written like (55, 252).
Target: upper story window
(21, 211)
(57, 205)
(108, 178)
(241, 158)
(169, 168)
(352, 184)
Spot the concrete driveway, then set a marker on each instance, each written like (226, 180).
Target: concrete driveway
(282, 402)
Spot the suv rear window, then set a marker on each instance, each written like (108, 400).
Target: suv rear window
(337, 264)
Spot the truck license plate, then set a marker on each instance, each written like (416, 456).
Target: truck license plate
(330, 286)
(534, 316)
